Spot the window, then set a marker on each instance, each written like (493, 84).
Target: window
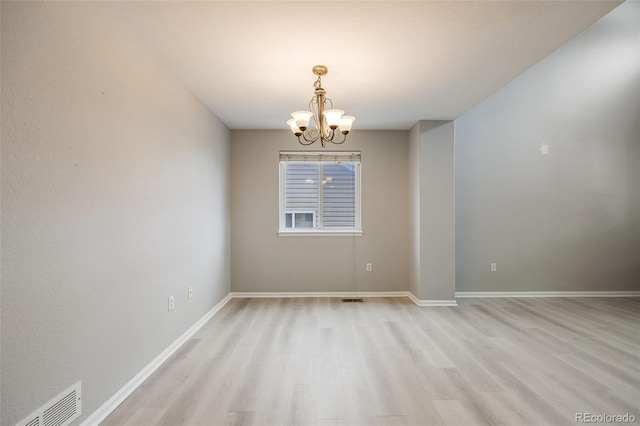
(319, 192)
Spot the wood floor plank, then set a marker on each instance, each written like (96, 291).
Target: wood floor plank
(239, 418)
(381, 386)
(318, 361)
(332, 422)
(145, 416)
(505, 408)
(275, 392)
(453, 412)
(621, 389)
(395, 421)
(302, 406)
(328, 378)
(359, 402)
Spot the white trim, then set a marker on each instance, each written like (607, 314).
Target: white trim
(463, 294)
(291, 294)
(283, 294)
(320, 233)
(428, 302)
(112, 403)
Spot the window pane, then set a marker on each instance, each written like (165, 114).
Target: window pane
(339, 195)
(302, 193)
(288, 220)
(304, 220)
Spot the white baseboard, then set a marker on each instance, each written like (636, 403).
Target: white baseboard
(463, 294)
(291, 294)
(271, 294)
(107, 408)
(421, 302)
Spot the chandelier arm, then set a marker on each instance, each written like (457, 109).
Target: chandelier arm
(337, 141)
(308, 137)
(304, 141)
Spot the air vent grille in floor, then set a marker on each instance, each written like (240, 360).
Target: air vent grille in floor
(352, 300)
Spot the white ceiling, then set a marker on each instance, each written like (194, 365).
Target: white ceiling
(391, 63)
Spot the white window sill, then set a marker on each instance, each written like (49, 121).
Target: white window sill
(320, 233)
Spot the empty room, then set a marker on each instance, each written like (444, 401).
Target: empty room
(321, 213)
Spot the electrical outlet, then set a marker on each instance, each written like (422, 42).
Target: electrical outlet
(172, 303)
(190, 292)
(369, 267)
(494, 267)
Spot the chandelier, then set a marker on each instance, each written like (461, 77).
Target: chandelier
(327, 120)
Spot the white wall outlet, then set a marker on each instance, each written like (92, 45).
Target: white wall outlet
(494, 267)
(172, 303)
(369, 267)
(190, 292)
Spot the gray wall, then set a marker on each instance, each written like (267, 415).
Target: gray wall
(431, 171)
(415, 266)
(263, 261)
(114, 196)
(568, 220)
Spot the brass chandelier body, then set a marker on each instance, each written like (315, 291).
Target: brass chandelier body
(330, 124)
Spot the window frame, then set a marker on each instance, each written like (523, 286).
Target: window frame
(319, 157)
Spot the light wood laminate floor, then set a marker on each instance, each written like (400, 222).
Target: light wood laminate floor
(318, 361)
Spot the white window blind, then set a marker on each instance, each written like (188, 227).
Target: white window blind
(319, 192)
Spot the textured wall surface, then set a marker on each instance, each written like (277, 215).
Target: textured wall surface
(114, 196)
(567, 220)
(264, 261)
